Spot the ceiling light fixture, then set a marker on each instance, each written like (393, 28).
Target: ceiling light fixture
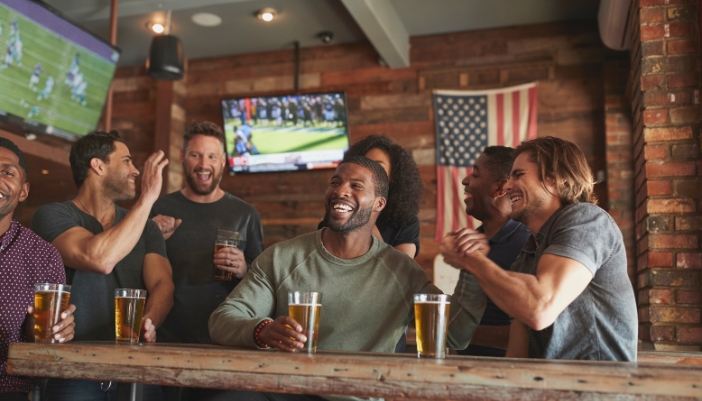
(157, 27)
(206, 19)
(267, 14)
(45, 172)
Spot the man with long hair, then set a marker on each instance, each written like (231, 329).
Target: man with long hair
(568, 291)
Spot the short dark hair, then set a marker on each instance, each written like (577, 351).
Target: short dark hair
(206, 128)
(380, 177)
(406, 186)
(566, 164)
(9, 145)
(98, 144)
(499, 161)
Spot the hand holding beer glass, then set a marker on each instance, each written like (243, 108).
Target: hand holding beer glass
(225, 239)
(129, 308)
(431, 314)
(50, 300)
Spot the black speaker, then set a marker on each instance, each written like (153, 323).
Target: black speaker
(166, 58)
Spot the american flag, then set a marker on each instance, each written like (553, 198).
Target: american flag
(467, 122)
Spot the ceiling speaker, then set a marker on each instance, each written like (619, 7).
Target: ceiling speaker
(165, 60)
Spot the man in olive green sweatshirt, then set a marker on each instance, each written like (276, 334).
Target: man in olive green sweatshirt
(367, 286)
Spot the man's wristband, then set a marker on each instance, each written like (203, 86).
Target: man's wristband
(257, 333)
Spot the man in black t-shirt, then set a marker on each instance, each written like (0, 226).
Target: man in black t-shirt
(105, 247)
(189, 220)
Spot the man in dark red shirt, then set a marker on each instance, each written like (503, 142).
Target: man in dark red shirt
(25, 259)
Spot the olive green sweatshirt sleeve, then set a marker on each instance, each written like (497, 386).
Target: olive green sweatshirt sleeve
(252, 301)
(467, 307)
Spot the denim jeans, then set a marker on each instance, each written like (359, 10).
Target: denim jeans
(85, 390)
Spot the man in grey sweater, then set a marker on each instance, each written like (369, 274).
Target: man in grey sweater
(367, 286)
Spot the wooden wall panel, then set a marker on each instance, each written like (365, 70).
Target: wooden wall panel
(565, 58)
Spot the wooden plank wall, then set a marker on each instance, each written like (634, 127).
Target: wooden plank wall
(565, 58)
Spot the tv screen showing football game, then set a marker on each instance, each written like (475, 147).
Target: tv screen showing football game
(285, 133)
(54, 76)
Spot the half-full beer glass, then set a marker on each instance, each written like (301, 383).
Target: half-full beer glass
(129, 307)
(306, 309)
(431, 314)
(225, 239)
(49, 301)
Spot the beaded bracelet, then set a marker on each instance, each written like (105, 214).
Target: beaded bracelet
(257, 333)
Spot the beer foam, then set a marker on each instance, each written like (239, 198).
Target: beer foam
(305, 305)
(432, 302)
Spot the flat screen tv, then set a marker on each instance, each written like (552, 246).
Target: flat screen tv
(285, 133)
(54, 76)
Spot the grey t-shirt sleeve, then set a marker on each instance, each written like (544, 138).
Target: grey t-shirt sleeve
(50, 221)
(578, 235)
(154, 239)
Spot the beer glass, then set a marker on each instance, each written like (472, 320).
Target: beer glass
(431, 314)
(129, 307)
(225, 239)
(49, 301)
(306, 309)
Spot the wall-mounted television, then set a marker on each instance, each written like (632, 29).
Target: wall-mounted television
(285, 133)
(54, 76)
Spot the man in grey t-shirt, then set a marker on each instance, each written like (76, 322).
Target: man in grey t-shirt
(189, 220)
(568, 290)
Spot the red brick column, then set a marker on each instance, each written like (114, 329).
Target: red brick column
(665, 87)
(620, 163)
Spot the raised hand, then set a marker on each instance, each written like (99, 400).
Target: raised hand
(152, 177)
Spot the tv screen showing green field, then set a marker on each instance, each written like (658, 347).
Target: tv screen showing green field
(285, 133)
(54, 76)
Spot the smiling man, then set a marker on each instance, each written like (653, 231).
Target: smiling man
(367, 285)
(105, 247)
(568, 291)
(25, 259)
(487, 200)
(189, 220)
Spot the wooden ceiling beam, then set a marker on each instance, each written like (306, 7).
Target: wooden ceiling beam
(38, 149)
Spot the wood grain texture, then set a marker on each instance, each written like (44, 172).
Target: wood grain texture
(360, 374)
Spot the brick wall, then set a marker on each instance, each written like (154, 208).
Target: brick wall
(619, 156)
(665, 87)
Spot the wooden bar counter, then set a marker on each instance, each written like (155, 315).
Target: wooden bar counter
(395, 376)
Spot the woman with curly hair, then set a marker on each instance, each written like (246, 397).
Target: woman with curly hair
(397, 224)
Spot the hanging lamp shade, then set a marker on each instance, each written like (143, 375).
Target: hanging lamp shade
(165, 60)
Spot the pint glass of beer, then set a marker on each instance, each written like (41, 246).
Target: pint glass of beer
(225, 239)
(129, 307)
(49, 301)
(431, 314)
(306, 309)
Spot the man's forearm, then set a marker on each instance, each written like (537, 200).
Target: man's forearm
(512, 292)
(160, 302)
(126, 233)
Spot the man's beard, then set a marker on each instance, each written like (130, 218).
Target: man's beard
(118, 188)
(528, 210)
(193, 184)
(359, 219)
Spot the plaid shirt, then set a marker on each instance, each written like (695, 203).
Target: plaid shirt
(25, 259)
